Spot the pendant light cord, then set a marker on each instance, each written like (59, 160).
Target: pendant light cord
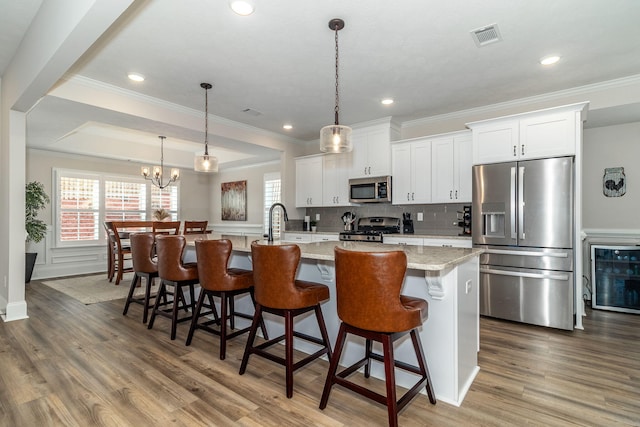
(337, 108)
(206, 121)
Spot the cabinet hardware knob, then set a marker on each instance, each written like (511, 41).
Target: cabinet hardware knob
(412, 194)
(523, 149)
(408, 196)
(515, 153)
(450, 194)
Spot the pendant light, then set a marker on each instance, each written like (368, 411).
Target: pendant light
(155, 176)
(205, 162)
(336, 138)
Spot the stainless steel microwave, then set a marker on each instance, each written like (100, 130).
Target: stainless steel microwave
(370, 189)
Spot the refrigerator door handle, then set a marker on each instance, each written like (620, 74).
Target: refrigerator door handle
(521, 201)
(513, 203)
(555, 276)
(527, 253)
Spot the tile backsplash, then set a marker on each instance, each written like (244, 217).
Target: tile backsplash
(438, 219)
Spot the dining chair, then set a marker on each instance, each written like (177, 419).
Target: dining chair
(122, 262)
(166, 227)
(195, 227)
(111, 249)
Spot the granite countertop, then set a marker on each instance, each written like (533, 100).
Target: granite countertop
(418, 257)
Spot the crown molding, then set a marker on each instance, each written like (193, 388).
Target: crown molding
(551, 96)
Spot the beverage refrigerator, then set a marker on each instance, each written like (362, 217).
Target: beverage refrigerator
(615, 272)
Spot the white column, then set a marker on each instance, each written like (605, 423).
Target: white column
(61, 32)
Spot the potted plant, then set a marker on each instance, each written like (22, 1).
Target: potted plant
(36, 199)
(313, 225)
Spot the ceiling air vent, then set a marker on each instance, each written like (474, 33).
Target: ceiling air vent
(486, 35)
(251, 112)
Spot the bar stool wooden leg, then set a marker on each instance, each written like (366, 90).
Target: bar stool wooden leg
(257, 319)
(390, 377)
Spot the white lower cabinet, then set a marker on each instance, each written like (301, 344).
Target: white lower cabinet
(321, 237)
(444, 242)
(403, 240)
(310, 237)
(297, 237)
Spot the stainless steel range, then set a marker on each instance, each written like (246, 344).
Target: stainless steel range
(372, 229)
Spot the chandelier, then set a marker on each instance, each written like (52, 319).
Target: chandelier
(336, 138)
(155, 176)
(205, 162)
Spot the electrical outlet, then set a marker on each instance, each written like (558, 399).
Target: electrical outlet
(317, 217)
(420, 216)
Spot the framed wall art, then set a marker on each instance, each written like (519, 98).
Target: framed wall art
(234, 201)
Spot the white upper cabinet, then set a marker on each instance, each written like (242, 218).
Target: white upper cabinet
(309, 181)
(451, 165)
(371, 150)
(539, 134)
(411, 172)
(335, 183)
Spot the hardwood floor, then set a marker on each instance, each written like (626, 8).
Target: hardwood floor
(76, 365)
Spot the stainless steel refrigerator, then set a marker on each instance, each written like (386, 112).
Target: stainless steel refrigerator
(523, 216)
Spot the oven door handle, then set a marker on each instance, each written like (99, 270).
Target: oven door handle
(553, 276)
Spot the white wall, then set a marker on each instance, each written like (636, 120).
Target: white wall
(606, 147)
(254, 176)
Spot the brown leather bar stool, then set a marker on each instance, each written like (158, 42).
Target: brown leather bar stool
(144, 266)
(173, 273)
(278, 292)
(216, 279)
(370, 305)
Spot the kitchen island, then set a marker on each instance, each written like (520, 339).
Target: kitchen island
(446, 277)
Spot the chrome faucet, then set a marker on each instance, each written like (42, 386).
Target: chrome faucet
(286, 218)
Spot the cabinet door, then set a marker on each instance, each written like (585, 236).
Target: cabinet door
(309, 181)
(550, 135)
(421, 191)
(442, 170)
(360, 154)
(379, 153)
(462, 169)
(335, 179)
(297, 237)
(402, 240)
(401, 174)
(371, 152)
(495, 143)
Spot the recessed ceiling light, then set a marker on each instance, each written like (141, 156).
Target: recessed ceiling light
(136, 77)
(242, 7)
(387, 101)
(549, 60)
(287, 127)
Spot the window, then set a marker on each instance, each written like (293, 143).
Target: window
(79, 209)
(125, 201)
(166, 198)
(271, 196)
(85, 199)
